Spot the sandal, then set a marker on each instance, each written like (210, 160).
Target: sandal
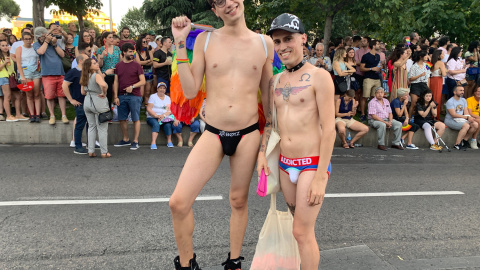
(345, 145)
(180, 144)
(107, 155)
(351, 145)
(190, 144)
(92, 155)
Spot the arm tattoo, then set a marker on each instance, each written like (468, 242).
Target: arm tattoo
(181, 44)
(292, 208)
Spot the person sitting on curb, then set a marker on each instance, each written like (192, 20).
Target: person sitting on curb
(425, 118)
(473, 104)
(400, 113)
(158, 113)
(380, 117)
(457, 118)
(345, 108)
(194, 130)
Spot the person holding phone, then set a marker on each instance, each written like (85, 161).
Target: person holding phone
(52, 71)
(162, 62)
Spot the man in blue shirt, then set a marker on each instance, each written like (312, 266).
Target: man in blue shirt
(72, 89)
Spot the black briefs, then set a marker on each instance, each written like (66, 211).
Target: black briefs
(231, 139)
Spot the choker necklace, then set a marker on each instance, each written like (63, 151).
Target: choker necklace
(297, 67)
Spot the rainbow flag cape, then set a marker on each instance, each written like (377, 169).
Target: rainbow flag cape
(183, 109)
(429, 65)
(407, 39)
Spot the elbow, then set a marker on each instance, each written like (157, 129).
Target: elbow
(189, 96)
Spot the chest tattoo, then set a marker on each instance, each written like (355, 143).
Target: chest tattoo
(306, 76)
(288, 90)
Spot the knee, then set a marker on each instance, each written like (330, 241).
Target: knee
(364, 130)
(238, 201)
(381, 126)
(178, 207)
(300, 233)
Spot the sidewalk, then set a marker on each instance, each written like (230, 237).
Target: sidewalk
(43, 133)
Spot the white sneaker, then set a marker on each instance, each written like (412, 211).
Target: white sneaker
(72, 144)
(473, 144)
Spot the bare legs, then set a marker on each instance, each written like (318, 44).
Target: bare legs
(208, 154)
(304, 219)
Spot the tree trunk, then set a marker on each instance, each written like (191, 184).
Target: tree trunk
(327, 33)
(81, 26)
(38, 13)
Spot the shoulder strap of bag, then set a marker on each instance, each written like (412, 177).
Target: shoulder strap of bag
(273, 201)
(274, 110)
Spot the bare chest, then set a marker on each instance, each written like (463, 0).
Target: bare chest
(297, 92)
(245, 56)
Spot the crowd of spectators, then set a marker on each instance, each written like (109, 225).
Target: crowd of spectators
(427, 82)
(421, 83)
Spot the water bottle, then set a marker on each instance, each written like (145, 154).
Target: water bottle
(349, 138)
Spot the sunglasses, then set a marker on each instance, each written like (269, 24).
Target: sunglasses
(144, 41)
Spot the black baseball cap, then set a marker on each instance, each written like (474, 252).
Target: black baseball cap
(287, 22)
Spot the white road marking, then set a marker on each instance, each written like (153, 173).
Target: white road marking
(102, 201)
(216, 198)
(392, 194)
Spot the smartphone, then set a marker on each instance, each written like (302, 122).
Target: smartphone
(57, 23)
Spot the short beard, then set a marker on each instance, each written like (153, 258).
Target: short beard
(128, 57)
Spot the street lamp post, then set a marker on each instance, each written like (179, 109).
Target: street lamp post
(111, 18)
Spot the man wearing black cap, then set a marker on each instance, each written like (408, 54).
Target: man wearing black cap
(303, 96)
(235, 62)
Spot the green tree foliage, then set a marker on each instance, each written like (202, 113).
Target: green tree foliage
(8, 9)
(316, 15)
(136, 21)
(163, 11)
(391, 20)
(79, 8)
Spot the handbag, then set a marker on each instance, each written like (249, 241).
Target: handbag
(473, 71)
(341, 83)
(461, 82)
(12, 81)
(276, 249)
(104, 116)
(272, 154)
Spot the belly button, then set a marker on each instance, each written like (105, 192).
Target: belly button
(214, 65)
(302, 100)
(255, 67)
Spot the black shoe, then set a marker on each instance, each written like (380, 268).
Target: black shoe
(37, 119)
(33, 119)
(193, 263)
(233, 264)
(465, 144)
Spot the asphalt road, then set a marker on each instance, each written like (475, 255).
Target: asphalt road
(381, 232)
